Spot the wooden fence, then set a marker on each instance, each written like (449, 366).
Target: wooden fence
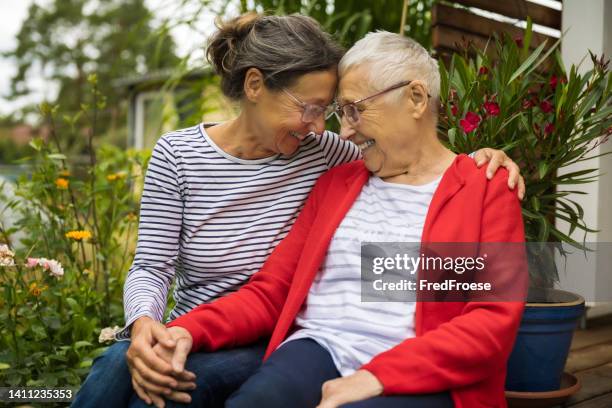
(455, 23)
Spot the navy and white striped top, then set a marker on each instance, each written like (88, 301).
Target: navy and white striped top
(209, 220)
(353, 331)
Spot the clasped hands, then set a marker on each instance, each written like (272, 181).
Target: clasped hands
(156, 360)
(157, 355)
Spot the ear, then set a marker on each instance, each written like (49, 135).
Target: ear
(253, 84)
(417, 93)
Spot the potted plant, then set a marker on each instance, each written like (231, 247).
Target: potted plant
(546, 118)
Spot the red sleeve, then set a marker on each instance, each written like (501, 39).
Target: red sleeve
(252, 312)
(472, 345)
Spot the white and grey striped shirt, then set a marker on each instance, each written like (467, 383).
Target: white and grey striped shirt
(352, 331)
(209, 220)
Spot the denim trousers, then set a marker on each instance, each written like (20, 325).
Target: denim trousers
(293, 376)
(218, 374)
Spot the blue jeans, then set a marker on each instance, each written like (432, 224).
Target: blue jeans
(218, 374)
(293, 376)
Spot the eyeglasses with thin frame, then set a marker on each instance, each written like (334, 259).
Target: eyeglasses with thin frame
(311, 112)
(352, 111)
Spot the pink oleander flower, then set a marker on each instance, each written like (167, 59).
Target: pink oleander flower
(527, 103)
(549, 128)
(546, 106)
(492, 108)
(470, 123)
(519, 42)
(553, 82)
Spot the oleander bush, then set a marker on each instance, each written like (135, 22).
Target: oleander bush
(545, 117)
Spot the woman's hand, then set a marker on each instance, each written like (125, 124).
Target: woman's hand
(176, 356)
(497, 158)
(150, 372)
(355, 387)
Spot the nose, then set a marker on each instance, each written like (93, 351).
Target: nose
(346, 130)
(317, 126)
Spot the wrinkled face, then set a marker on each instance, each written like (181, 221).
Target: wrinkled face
(281, 115)
(384, 129)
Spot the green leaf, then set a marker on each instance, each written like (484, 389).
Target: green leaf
(527, 63)
(81, 343)
(36, 144)
(4, 366)
(85, 363)
(74, 305)
(56, 156)
(542, 169)
(527, 37)
(452, 133)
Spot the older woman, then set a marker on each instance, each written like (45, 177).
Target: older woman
(218, 199)
(327, 347)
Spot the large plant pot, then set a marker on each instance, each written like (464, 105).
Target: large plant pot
(543, 341)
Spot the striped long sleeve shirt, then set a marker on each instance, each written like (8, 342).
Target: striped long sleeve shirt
(209, 220)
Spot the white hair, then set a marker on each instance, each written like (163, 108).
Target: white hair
(392, 58)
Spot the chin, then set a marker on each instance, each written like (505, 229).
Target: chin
(287, 149)
(372, 164)
(288, 152)
(373, 168)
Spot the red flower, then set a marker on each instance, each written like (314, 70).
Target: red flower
(548, 129)
(470, 122)
(528, 103)
(546, 106)
(492, 108)
(454, 110)
(553, 82)
(519, 42)
(483, 70)
(473, 118)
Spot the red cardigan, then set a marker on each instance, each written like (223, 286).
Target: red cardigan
(461, 347)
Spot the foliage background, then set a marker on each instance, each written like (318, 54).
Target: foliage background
(49, 326)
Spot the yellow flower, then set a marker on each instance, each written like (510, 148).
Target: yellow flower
(61, 183)
(65, 173)
(36, 290)
(131, 217)
(78, 235)
(115, 176)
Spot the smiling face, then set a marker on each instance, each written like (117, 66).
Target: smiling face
(279, 117)
(387, 128)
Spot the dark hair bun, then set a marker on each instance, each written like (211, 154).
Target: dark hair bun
(282, 47)
(223, 46)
